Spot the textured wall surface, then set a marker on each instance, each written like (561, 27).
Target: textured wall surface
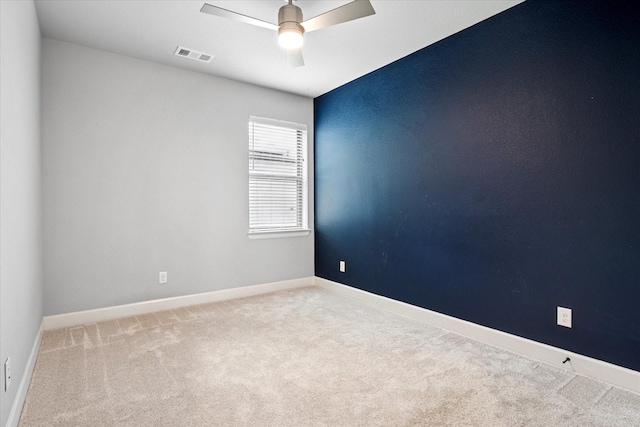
(145, 170)
(495, 175)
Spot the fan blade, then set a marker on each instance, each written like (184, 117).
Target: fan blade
(294, 58)
(348, 12)
(224, 13)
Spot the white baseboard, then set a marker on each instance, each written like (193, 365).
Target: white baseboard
(584, 365)
(110, 313)
(23, 387)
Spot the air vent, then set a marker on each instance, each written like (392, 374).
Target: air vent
(193, 54)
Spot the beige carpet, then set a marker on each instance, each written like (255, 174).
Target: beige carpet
(301, 358)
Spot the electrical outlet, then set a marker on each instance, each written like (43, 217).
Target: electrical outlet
(7, 374)
(564, 317)
(343, 266)
(163, 277)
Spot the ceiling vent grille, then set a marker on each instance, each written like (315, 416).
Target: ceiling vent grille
(193, 54)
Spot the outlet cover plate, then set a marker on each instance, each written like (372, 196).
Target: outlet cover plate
(343, 266)
(162, 277)
(564, 317)
(7, 374)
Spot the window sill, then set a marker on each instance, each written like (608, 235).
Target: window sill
(277, 234)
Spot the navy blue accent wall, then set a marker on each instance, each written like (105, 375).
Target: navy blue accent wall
(495, 175)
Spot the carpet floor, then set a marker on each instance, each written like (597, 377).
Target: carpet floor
(303, 357)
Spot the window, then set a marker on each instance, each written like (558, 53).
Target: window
(277, 176)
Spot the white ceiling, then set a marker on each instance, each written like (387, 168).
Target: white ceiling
(152, 30)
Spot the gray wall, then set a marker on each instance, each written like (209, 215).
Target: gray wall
(20, 192)
(145, 170)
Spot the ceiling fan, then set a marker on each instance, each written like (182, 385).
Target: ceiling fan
(290, 26)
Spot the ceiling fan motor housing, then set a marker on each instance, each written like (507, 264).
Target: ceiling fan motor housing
(289, 19)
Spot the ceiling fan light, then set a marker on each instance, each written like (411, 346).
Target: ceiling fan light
(290, 37)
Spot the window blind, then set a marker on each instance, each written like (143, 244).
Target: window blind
(277, 175)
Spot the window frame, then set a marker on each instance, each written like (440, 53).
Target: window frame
(258, 178)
